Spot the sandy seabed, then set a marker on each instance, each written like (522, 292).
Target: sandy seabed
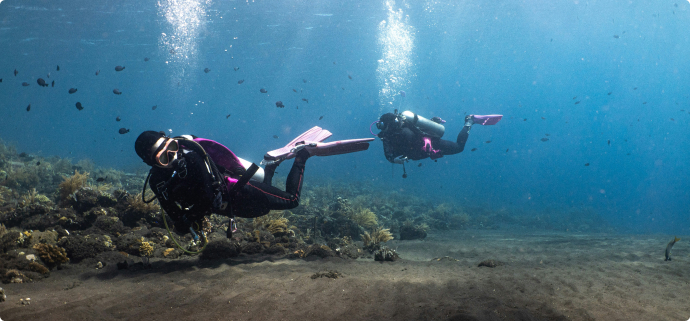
(544, 276)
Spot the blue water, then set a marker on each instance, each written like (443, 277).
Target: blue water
(526, 60)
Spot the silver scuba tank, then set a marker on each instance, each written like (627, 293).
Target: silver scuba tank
(425, 125)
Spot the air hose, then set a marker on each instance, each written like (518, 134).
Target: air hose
(165, 222)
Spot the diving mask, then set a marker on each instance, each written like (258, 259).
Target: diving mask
(168, 153)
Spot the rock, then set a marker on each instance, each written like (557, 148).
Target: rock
(3, 297)
(490, 263)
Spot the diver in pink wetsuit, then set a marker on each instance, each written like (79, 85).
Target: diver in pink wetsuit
(192, 177)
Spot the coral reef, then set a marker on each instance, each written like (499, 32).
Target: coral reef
(411, 231)
(364, 217)
(71, 184)
(378, 235)
(52, 255)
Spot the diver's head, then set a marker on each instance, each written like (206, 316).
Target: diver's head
(155, 149)
(387, 122)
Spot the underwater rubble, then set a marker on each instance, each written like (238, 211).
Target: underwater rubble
(54, 213)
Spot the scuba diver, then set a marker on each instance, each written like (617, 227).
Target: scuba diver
(192, 177)
(408, 136)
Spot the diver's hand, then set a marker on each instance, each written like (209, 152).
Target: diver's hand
(399, 159)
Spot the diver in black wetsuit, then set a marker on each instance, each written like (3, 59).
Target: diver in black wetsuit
(193, 177)
(408, 136)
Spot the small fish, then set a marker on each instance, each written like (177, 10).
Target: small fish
(524, 119)
(343, 88)
(41, 82)
(609, 142)
(295, 90)
(48, 75)
(16, 72)
(58, 67)
(98, 72)
(304, 99)
(303, 80)
(263, 91)
(402, 93)
(206, 70)
(79, 106)
(547, 134)
(615, 36)
(25, 84)
(586, 164)
(236, 68)
(544, 139)
(507, 149)
(635, 88)
(239, 82)
(119, 68)
(574, 97)
(0, 79)
(673, 119)
(420, 165)
(117, 91)
(38, 163)
(610, 92)
(154, 107)
(28, 108)
(100, 179)
(51, 84)
(228, 116)
(72, 90)
(275, 136)
(123, 131)
(669, 247)
(577, 102)
(473, 149)
(644, 103)
(146, 58)
(488, 141)
(320, 118)
(348, 76)
(543, 118)
(118, 118)
(279, 104)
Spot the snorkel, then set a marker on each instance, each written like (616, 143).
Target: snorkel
(374, 122)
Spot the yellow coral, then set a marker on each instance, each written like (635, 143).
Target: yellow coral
(273, 222)
(72, 184)
(167, 252)
(52, 255)
(146, 249)
(364, 217)
(377, 236)
(33, 198)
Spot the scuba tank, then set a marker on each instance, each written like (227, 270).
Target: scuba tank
(429, 127)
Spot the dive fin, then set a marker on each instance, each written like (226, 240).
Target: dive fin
(486, 119)
(315, 134)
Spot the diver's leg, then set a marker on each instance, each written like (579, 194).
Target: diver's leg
(269, 171)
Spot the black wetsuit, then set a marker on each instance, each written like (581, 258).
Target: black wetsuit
(408, 141)
(189, 194)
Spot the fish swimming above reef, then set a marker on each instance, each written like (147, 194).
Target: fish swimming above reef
(72, 90)
(295, 90)
(41, 82)
(98, 72)
(117, 91)
(275, 136)
(544, 139)
(206, 70)
(154, 107)
(348, 76)
(239, 82)
(320, 118)
(473, 149)
(263, 91)
(79, 106)
(119, 68)
(669, 247)
(28, 108)
(307, 100)
(51, 84)
(279, 104)
(236, 68)
(123, 131)
(118, 118)
(16, 72)
(146, 58)
(58, 67)
(25, 84)
(577, 102)
(303, 80)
